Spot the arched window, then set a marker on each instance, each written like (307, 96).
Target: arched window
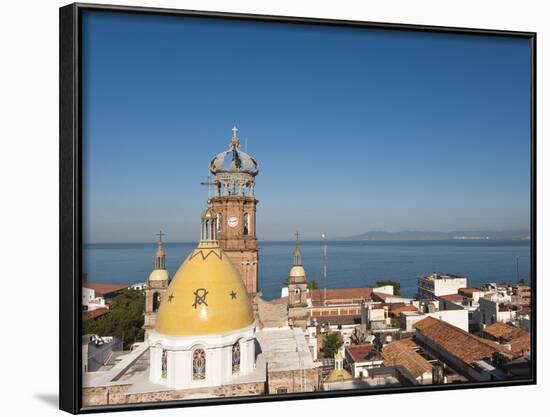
(156, 301)
(246, 223)
(199, 364)
(164, 364)
(236, 357)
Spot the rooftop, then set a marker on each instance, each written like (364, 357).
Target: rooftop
(361, 353)
(398, 310)
(461, 344)
(104, 289)
(504, 331)
(402, 352)
(468, 291)
(341, 295)
(94, 314)
(452, 298)
(434, 276)
(285, 349)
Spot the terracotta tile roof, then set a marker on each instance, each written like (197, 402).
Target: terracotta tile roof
(104, 289)
(522, 344)
(504, 331)
(94, 314)
(453, 298)
(457, 342)
(468, 291)
(349, 295)
(398, 310)
(401, 353)
(519, 339)
(360, 353)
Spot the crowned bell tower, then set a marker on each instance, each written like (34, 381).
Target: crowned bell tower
(235, 206)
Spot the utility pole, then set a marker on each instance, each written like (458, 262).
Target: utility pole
(517, 270)
(324, 237)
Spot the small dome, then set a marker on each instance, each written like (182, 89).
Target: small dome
(208, 213)
(297, 271)
(159, 275)
(339, 375)
(206, 296)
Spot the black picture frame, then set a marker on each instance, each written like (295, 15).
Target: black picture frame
(70, 204)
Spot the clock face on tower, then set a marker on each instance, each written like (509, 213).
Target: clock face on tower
(232, 221)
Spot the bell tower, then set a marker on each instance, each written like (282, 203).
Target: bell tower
(297, 290)
(234, 204)
(157, 284)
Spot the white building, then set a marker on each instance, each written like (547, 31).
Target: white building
(458, 318)
(496, 307)
(433, 285)
(90, 301)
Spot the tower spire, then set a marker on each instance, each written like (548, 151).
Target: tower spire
(297, 252)
(160, 256)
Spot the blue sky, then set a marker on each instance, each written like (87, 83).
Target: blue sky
(354, 129)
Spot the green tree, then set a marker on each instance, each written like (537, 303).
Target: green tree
(331, 343)
(396, 285)
(124, 319)
(313, 285)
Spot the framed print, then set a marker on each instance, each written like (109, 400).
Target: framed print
(263, 208)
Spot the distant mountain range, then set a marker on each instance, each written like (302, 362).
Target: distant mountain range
(521, 234)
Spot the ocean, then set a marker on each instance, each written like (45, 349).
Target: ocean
(350, 263)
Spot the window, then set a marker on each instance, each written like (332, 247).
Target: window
(236, 357)
(156, 301)
(246, 223)
(164, 364)
(199, 364)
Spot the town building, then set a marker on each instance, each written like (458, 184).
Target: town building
(516, 339)
(96, 295)
(474, 358)
(405, 352)
(497, 306)
(434, 285)
(361, 358)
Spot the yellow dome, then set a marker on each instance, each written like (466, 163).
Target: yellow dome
(338, 375)
(205, 296)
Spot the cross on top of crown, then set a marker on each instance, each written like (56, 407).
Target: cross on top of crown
(160, 235)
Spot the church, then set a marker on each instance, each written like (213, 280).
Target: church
(207, 333)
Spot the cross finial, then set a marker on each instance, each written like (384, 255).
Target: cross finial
(235, 130)
(297, 234)
(208, 183)
(160, 235)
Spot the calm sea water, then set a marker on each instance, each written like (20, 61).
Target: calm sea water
(350, 264)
